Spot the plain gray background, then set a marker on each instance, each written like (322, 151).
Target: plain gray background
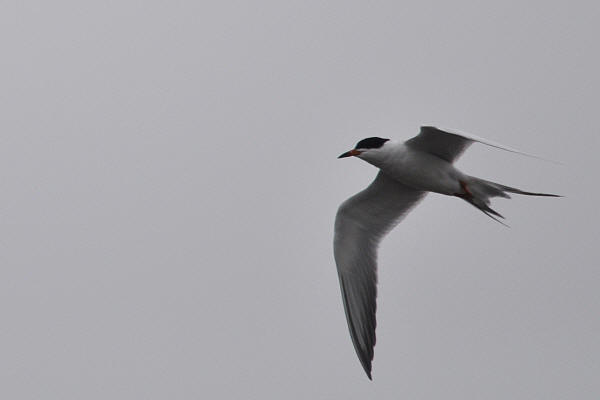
(169, 182)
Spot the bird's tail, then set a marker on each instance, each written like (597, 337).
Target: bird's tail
(478, 192)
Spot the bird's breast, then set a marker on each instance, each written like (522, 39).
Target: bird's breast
(424, 171)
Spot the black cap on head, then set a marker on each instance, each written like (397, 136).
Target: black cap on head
(371, 143)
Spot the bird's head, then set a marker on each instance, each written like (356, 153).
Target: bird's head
(373, 150)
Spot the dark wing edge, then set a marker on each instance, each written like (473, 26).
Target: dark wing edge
(364, 352)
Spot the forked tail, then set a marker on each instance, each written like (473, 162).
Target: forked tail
(478, 192)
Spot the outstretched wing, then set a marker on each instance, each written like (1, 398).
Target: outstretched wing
(450, 144)
(360, 223)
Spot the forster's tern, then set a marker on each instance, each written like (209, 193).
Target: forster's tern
(407, 171)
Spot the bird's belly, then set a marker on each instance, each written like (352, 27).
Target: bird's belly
(429, 173)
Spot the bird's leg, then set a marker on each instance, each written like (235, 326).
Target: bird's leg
(464, 187)
(467, 195)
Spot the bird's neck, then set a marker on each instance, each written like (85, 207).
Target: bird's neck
(390, 156)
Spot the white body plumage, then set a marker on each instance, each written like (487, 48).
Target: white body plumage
(408, 171)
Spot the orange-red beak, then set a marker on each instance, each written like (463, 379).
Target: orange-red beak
(350, 153)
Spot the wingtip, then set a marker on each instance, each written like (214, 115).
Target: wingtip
(367, 367)
(491, 143)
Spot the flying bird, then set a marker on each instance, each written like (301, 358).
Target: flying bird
(407, 172)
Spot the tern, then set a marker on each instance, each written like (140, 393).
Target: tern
(407, 172)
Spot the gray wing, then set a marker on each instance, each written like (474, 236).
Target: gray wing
(360, 224)
(450, 144)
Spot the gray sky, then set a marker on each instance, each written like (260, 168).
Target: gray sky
(169, 183)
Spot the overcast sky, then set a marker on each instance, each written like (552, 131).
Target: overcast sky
(169, 182)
